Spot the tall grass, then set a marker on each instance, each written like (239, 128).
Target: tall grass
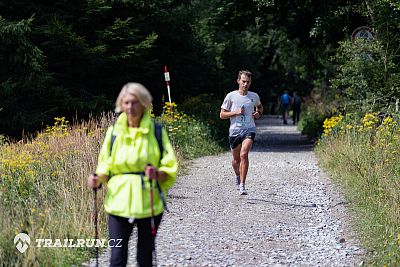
(43, 192)
(43, 188)
(363, 156)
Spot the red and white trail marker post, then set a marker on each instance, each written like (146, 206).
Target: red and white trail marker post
(167, 79)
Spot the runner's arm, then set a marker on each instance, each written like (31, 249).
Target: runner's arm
(225, 114)
(258, 112)
(260, 109)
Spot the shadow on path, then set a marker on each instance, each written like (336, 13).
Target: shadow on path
(274, 136)
(255, 200)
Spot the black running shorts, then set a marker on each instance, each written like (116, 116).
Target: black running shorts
(234, 141)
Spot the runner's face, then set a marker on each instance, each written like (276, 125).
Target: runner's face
(244, 82)
(131, 106)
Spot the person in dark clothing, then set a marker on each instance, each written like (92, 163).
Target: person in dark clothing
(285, 100)
(296, 105)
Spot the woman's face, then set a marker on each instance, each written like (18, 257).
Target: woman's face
(131, 106)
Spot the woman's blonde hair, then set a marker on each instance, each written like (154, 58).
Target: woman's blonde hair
(138, 90)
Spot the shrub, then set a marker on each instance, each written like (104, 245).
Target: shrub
(362, 155)
(206, 108)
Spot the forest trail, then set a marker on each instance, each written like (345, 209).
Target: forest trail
(293, 214)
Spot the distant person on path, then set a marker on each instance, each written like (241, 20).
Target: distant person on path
(137, 176)
(241, 107)
(296, 105)
(285, 104)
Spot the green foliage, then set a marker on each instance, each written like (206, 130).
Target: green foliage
(206, 108)
(3, 140)
(78, 51)
(22, 75)
(395, 4)
(89, 49)
(262, 3)
(191, 137)
(62, 61)
(18, 54)
(364, 72)
(311, 122)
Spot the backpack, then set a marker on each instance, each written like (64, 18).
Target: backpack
(297, 101)
(285, 99)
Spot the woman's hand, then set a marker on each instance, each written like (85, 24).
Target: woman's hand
(152, 173)
(93, 181)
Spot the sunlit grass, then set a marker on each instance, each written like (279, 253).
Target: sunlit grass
(363, 156)
(43, 191)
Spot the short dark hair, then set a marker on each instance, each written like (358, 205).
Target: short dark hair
(245, 72)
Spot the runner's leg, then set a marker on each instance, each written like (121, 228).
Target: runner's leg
(298, 114)
(236, 159)
(244, 158)
(294, 116)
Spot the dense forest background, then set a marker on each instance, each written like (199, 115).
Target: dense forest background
(70, 58)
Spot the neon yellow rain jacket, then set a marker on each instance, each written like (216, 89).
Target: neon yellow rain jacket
(132, 150)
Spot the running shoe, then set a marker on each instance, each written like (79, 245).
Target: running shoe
(237, 182)
(242, 190)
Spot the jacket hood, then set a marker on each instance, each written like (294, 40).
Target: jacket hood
(121, 125)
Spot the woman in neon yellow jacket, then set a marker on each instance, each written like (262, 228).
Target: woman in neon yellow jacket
(137, 176)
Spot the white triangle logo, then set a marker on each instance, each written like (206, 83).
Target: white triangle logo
(22, 242)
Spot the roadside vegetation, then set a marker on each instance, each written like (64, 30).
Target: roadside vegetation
(43, 188)
(362, 155)
(357, 126)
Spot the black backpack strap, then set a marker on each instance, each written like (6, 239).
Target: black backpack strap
(158, 134)
(113, 136)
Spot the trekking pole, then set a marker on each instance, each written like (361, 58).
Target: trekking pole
(153, 226)
(96, 232)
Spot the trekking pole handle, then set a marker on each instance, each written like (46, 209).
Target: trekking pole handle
(100, 185)
(95, 222)
(151, 171)
(95, 212)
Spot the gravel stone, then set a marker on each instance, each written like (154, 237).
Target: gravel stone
(293, 214)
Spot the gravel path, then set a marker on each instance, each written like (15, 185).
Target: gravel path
(292, 216)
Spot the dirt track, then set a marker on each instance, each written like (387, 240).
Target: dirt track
(292, 216)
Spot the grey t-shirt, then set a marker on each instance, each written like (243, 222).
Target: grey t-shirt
(241, 123)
